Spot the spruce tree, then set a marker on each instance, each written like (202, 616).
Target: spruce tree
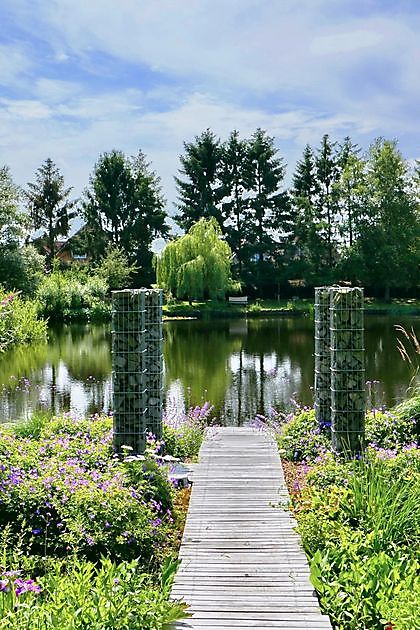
(124, 206)
(199, 187)
(49, 204)
(268, 211)
(235, 185)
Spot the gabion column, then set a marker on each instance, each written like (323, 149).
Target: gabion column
(133, 315)
(322, 357)
(348, 395)
(154, 360)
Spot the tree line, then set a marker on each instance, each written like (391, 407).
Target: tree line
(345, 215)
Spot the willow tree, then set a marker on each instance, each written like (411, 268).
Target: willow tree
(196, 265)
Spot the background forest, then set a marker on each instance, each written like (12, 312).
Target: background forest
(347, 215)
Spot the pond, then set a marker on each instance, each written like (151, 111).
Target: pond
(242, 366)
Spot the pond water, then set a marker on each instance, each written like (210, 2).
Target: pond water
(243, 367)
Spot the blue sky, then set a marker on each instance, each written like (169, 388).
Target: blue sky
(80, 77)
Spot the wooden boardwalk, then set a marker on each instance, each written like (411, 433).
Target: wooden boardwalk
(242, 563)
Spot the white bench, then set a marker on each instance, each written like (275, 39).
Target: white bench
(243, 299)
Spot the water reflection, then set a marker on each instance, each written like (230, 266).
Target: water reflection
(70, 372)
(243, 366)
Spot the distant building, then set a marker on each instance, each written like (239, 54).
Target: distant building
(70, 250)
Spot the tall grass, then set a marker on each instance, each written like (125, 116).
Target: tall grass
(385, 503)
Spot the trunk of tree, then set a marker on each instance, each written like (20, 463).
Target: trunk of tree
(387, 293)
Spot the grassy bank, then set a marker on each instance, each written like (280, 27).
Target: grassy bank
(262, 308)
(90, 540)
(359, 520)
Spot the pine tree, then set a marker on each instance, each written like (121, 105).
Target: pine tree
(327, 174)
(49, 204)
(268, 210)
(200, 189)
(235, 185)
(124, 206)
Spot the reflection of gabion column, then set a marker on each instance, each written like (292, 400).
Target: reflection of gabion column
(348, 396)
(134, 317)
(154, 360)
(322, 357)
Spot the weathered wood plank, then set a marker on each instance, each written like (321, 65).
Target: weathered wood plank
(242, 562)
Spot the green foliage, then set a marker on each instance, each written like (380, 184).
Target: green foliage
(124, 206)
(360, 525)
(387, 251)
(183, 435)
(85, 596)
(392, 429)
(49, 204)
(115, 268)
(196, 264)
(85, 536)
(21, 269)
(19, 322)
(301, 438)
(409, 412)
(12, 221)
(199, 194)
(358, 589)
(66, 296)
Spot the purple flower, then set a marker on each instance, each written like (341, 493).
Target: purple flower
(4, 586)
(25, 586)
(36, 531)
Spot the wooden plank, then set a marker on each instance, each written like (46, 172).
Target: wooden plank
(243, 565)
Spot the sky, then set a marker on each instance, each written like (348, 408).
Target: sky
(81, 77)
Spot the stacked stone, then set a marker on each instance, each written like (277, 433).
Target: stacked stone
(348, 394)
(322, 357)
(154, 360)
(136, 322)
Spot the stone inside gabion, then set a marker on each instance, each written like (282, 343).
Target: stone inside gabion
(348, 396)
(137, 366)
(322, 387)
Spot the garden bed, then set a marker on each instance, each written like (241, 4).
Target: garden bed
(89, 539)
(359, 519)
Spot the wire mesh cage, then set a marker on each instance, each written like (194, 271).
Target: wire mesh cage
(154, 359)
(322, 383)
(348, 395)
(136, 355)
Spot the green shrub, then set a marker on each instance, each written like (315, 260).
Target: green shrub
(83, 595)
(115, 269)
(183, 433)
(21, 269)
(391, 429)
(362, 591)
(360, 525)
(66, 492)
(410, 410)
(73, 295)
(19, 322)
(301, 438)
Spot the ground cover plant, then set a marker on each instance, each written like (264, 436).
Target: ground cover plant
(89, 539)
(359, 519)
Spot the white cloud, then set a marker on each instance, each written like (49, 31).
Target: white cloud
(16, 109)
(296, 68)
(14, 64)
(346, 42)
